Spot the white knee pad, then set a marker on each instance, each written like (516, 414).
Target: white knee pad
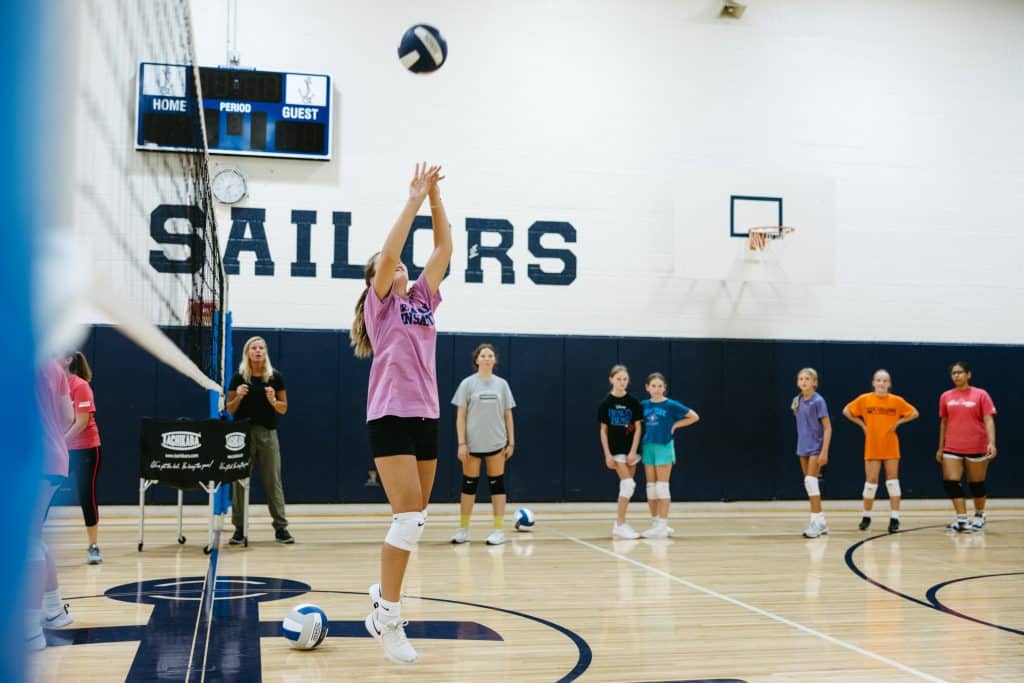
(663, 492)
(626, 488)
(406, 529)
(811, 485)
(893, 486)
(869, 490)
(652, 491)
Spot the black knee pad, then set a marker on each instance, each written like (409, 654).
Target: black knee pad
(469, 485)
(953, 488)
(977, 489)
(497, 484)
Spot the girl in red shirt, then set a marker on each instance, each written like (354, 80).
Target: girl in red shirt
(967, 439)
(83, 440)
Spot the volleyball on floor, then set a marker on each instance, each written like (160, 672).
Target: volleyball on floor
(524, 519)
(304, 627)
(422, 49)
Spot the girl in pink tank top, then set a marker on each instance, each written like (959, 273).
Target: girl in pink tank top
(394, 323)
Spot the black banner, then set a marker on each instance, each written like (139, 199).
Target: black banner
(186, 452)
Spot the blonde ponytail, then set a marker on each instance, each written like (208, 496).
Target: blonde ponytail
(359, 339)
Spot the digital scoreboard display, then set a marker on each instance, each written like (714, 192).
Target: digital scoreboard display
(248, 113)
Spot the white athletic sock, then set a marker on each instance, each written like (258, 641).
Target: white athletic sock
(52, 604)
(818, 517)
(388, 611)
(895, 514)
(866, 513)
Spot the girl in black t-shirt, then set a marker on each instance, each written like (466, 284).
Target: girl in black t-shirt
(621, 418)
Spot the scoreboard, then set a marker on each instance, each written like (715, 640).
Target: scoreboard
(247, 113)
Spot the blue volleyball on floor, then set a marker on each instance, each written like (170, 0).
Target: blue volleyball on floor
(524, 519)
(422, 49)
(304, 627)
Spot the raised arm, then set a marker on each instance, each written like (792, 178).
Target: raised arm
(391, 253)
(439, 259)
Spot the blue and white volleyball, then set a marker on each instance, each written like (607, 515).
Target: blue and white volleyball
(305, 627)
(524, 519)
(422, 49)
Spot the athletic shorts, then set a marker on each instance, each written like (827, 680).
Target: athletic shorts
(973, 457)
(390, 435)
(484, 455)
(660, 453)
(621, 457)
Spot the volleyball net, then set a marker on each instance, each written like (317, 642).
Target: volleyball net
(137, 244)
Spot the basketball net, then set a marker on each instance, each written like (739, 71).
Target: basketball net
(759, 238)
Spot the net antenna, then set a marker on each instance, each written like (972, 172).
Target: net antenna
(758, 238)
(145, 220)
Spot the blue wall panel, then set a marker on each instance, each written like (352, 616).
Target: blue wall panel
(743, 447)
(355, 464)
(309, 431)
(536, 372)
(587, 362)
(701, 459)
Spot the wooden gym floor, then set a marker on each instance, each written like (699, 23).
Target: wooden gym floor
(738, 594)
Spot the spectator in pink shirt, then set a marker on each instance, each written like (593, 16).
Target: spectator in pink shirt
(394, 322)
(83, 440)
(967, 439)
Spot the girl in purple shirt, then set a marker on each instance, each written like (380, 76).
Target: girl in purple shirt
(394, 323)
(813, 435)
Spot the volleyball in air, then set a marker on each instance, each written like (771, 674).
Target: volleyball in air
(524, 519)
(422, 49)
(305, 627)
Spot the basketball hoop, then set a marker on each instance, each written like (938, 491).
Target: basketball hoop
(758, 238)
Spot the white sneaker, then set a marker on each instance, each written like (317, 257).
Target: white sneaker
(960, 525)
(497, 537)
(979, 521)
(374, 594)
(668, 529)
(624, 531)
(815, 529)
(63, 618)
(461, 536)
(391, 637)
(657, 530)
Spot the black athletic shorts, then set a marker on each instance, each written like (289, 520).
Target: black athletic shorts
(487, 454)
(390, 435)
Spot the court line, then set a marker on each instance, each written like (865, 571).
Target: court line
(930, 603)
(757, 610)
(933, 598)
(206, 600)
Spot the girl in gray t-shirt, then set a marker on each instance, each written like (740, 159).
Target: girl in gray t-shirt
(484, 425)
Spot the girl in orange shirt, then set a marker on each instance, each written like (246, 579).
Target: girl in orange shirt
(879, 414)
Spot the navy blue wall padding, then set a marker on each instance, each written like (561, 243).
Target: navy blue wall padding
(742, 449)
(536, 374)
(587, 362)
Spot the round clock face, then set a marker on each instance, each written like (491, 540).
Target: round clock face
(229, 185)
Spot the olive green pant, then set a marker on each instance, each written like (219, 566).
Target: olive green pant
(265, 455)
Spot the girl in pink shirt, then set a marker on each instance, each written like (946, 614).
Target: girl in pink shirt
(394, 323)
(83, 441)
(967, 439)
